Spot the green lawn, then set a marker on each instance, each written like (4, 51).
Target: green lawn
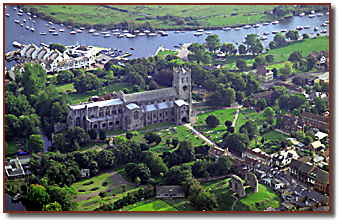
(203, 15)
(179, 132)
(214, 133)
(75, 98)
(69, 87)
(274, 135)
(150, 205)
(262, 199)
(167, 52)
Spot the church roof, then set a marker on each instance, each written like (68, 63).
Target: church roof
(103, 103)
(132, 106)
(150, 95)
(158, 106)
(180, 103)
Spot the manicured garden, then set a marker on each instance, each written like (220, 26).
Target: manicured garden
(150, 205)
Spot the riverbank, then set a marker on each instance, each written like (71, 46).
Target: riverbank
(161, 17)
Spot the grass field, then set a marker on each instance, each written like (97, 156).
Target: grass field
(167, 52)
(216, 133)
(110, 182)
(179, 132)
(202, 15)
(66, 87)
(75, 98)
(262, 199)
(150, 205)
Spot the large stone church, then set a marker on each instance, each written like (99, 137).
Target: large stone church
(138, 110)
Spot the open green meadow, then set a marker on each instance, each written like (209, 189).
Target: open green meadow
(262, 199)
(222, 115)
(202, 15)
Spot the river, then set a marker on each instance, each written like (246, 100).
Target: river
(143, 46)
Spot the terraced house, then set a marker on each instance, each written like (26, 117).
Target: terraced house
(137, 110)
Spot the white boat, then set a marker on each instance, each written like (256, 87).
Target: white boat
(107, 35)
(208, 32)
(96, 34)
(32, 29)
(121, 36)
(200, 30)
(19, 14)
(275, 22)
(316, 28)
(29, 14)
(226, 28)
(312, 15)
(136, 31)
(147, 31)
(61, 30)
(256, 26)
(92, 31)
(306, 27)
(247, 27)
(125, 31)
(163, 33)
(52, 30)
(73, 32)
(130, 35)
(116, 33)
(275, 32)
(17, 21)
(21, 11)
(22, 24)
(82, 28)
(152, 34)
(327, 13)
(16, 44)
(324, 31)
(34, 16)
(238, 28)
(319, 14)
(263, 38)
(198, 34)
(51, 23)
(302, 14)
(79, 31)
(141, 34)
(266, 24)
(284, 31)
(15, 8)
(42, 33)
(24, 20)
(266, 33)
(27, 27)
(8, 15)
(55, 34)
(299, 27)
(105, 32)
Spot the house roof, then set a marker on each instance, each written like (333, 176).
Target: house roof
(171, 190)
(150, 95)
(316, 144)
(321, 135)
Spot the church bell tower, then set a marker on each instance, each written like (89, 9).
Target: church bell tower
(182, 82)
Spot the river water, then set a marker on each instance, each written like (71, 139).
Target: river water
(143, 46)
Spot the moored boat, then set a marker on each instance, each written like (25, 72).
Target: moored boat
(73, 32)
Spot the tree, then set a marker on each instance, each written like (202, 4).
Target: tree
(269, 115)
(213, 42)
(140, 171)
(250, 129)
(228, 123)
(33, 78)
(279, 40)
(242, 49)
(292, 35)
(18, 105)
(280, 11)
(70, 139)
(259, 60)
(261, 104)
(236, 143)
(254, 44)
(64, 196)
(86, 82)
(29, 124)
(221, 166)
(37, 197)
(61, 48)
(228, 48)
(65, 77)
(92, 134)
(12, 126)
(154, 163)
(54, 206)
(269, 58)
(105, 159)
(178, 175)
(36, 143)
(212, 121)
(203, 201)
(102, 134)
(241, 65)
(152, 138)
(129, 135)
(295, 56)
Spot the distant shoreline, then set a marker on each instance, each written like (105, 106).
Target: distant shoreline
(117, 25)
